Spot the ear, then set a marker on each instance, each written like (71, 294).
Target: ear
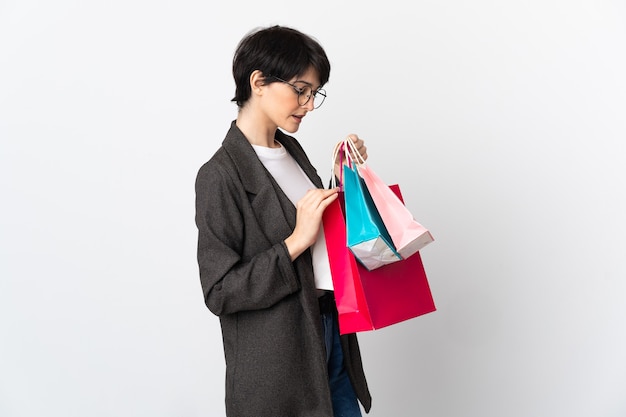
(257, 82)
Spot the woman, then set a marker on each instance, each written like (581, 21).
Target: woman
(261, 249)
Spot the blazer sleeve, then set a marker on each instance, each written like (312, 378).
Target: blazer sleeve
(239, 268)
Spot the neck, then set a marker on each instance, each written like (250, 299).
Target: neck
(256, 131)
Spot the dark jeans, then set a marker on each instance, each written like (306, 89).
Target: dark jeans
(345, 403)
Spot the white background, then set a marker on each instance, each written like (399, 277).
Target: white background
(503, 122)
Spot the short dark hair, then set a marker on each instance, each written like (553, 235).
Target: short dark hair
(279, 51)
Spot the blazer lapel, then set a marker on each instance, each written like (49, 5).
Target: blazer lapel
(274, 211)
(294, 148)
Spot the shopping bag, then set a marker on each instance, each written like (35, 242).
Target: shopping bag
(367, 236)
(372, 299)
(349, 293)
(407, 235)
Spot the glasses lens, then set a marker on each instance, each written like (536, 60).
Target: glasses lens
(304, 95)
(319, 96)
(308, 94)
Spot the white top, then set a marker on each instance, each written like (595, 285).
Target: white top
(295, 183)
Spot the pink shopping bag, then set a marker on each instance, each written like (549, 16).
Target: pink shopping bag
(407, 234)
(369, 300)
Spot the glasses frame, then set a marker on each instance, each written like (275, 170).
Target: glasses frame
(300, 92)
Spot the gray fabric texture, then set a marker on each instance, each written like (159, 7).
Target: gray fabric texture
(267, 304)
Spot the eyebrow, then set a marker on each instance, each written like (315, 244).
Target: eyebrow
(309, 84)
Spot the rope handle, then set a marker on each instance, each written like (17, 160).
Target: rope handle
(345, 148)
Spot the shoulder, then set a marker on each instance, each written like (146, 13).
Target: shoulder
(222, 163)
(217, 171)
(218, 162)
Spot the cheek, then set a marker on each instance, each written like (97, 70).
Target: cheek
(288, 100)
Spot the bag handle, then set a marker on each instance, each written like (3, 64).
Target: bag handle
(354, 154)
(333, 178)
(344, 148)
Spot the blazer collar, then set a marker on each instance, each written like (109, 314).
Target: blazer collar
(269, 199)
(251, 170)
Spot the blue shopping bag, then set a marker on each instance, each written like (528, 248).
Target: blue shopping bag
(367, 236)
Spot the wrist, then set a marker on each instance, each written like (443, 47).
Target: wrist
(294, 247)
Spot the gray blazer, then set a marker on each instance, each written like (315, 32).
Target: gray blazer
(267, 304)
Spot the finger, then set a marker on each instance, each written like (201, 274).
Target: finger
(325, 193)
(358, 142)
(331, 193)
(315, 196)
(328, 200)
(354, 137)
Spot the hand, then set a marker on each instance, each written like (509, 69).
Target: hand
(359, 144)
(309, 211)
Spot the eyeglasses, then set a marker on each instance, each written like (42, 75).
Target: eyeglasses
(305, 93)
